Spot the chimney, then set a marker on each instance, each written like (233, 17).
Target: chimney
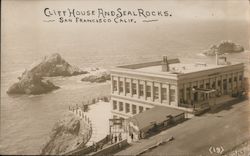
(216, 58)
(222, 61)
(164, 64)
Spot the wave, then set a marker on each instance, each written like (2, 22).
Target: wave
(32, 96)
(8, 73)
(200, 54)
(72, 87)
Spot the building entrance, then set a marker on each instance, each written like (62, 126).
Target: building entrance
(117, 129)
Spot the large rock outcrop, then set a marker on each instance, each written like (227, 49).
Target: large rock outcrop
(224, 47)
(31, 81)
(68, 134)
(55, 65)
(97, 76)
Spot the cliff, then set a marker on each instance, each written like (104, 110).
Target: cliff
(224, 47)
(68, 134)
(31, 81)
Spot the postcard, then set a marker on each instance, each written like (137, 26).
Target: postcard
(123, 77)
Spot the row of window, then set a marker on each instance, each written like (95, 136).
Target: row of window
(207, 85)
(220, 83)
(224, 84)
(129, 108)
(141, 90)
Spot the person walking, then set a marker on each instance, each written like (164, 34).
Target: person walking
(107, 138)
(95, 146)
(101, 145)
(132, 136)
(115, 139)
(111, 138)
(120, 137)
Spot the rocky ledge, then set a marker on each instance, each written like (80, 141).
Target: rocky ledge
(224, 47)
(68, 134)
(31, 81)
(98, 76)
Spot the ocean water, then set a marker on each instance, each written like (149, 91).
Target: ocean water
(26, 121)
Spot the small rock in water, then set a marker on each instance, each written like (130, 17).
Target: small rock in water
(98, 77)
(223, 48)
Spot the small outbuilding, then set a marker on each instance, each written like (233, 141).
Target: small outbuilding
(153, 120)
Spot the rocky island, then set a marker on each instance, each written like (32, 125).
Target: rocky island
(68, 134)
(54, 65)
(224, 47)
(31, 81)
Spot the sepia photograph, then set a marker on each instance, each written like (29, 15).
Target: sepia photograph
(125, 77)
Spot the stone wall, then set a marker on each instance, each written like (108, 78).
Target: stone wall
(111, 149)
(90, 149)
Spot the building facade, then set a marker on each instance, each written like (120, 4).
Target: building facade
(188, 87)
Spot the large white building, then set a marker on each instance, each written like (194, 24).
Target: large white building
(170, 83)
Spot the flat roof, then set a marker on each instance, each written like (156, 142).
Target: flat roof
(177, 69)
(156, 114)
(181, 68)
